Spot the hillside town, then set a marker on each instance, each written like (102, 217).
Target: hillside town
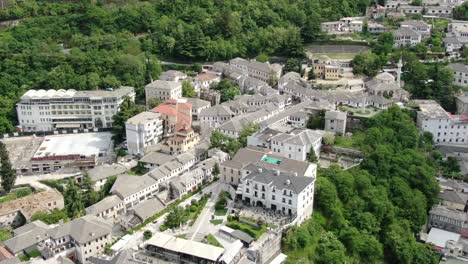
(251, 159)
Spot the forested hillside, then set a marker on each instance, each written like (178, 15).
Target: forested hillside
(371, 214)
(91, 44)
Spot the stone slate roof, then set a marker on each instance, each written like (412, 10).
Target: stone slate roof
(126, 185)
(282, 180)
(101, 206)
(83, 229)
(458, 67)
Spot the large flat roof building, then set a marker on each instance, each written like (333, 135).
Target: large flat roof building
(41, 110)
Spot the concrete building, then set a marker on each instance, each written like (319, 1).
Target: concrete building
(262, 71)
(163, 90)
(176, 114)
(444, 127)
(216, 115)
(326, 68)
(462, 104)
(110, 208)
(19, 211)
(449, 220)
(78, 239)
(179, 250)
(460, 74)
(419, 26)
(205, 80)
(405, 36)
(335, 121)
(133, 190)
(232, 171)
(81, 151)
(295, 144)
(41, 110)
(173, 76)
(198, 105)
(100, 174)
(279, 191)
(141, 212)
(143, 130)
(183, 140)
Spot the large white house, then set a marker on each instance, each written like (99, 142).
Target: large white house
(460, 74)
(262, 71)
(295, 144)
(444, 127)
(142, 130)
(41, 110)
(163, 90)
(279, 191)
(133, 190)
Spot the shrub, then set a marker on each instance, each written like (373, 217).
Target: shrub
(23, 192)
(193, 208)
(147, 234)
(163, 228)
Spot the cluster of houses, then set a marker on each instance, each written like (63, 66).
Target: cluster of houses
(171, 142)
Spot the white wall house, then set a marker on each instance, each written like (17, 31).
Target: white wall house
(133, 190)
(41, 110)
(142, 130)
(279, 192)
(444, 127)
(163, 90)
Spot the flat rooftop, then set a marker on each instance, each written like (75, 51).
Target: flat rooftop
(431, 109)
(21, 149)
(85, 144)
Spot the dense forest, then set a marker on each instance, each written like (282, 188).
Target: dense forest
(372, 214)
(96, 44)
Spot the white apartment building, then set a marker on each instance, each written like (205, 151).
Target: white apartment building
(405, 36)
(163, 90)
(295, 144)
(86, 236)
(133, 190)
(232, 171)
(41, 110)
(280, 192)
(460, 74)
(143, 130)
(444, 127)
(335, 121)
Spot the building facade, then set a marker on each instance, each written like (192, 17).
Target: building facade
(41, 110)
(163, 90)
(142, 130)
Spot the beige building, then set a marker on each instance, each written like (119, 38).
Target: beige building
(183, 140)
(19, 211)
(327, 69)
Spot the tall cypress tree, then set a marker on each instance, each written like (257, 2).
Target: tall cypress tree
(73, 200)
(7, 173)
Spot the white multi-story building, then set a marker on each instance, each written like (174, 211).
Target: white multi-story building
(460, 74)
(444, 127)
(295, 144)
(279, 191)
(335, 121)
(142, 130)
(133, 190)
(406, 36)
(163, 90)
(41, 110)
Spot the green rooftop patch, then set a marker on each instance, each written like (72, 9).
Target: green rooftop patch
(271, 160)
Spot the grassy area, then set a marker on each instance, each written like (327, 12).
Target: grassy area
(353, 142)
(4, 234)
(210, 239)
(216, 221)
(221, 212)
(349, 56)
(251, 230)
(181, 236)
(18, 193)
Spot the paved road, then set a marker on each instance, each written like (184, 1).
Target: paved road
(137, 237)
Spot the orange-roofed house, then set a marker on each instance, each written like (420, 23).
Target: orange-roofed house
(176, 115)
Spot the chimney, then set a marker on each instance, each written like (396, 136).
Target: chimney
(277, 173)
(288, 182)
(260, 169)
(295, 174)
